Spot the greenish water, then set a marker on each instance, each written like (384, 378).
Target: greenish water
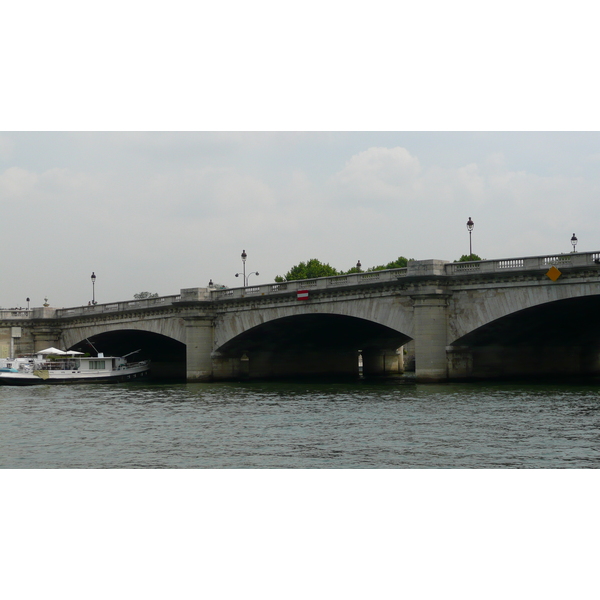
(300, 425)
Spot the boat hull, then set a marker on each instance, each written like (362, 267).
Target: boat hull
(74, 377)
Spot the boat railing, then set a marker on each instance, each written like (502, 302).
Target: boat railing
(59, 365)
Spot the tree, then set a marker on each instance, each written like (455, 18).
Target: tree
(468, 257)
(144, 295)
(308, 270)
(315, 268)
(399, 263)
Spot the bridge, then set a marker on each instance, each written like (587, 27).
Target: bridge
(531, 316)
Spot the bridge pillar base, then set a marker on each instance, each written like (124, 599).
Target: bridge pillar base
(199, 343)
(45, 337)
(431, 325)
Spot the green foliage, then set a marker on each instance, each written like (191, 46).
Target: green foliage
(469, 257)
(315, 268)
(308, 270)
(144, 295)
(352, 270)
(399, 263)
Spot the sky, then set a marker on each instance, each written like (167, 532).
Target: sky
(154, 148)
(162, 211)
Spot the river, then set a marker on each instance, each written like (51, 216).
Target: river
(359, 425)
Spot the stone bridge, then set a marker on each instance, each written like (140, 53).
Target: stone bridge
(532, 316)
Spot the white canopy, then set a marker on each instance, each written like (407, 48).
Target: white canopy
(50, 351)
(73, 352)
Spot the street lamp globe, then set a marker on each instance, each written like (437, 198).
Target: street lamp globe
(243, 273)
(93, 278)
(470, 226)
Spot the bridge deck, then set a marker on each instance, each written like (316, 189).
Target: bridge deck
(414, 269)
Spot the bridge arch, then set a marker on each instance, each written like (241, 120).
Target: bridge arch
(394, 312)
(471, 309)
(313, 343)
(167, 355)
(553, 338)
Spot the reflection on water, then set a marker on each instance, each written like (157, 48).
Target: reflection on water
(300, 425)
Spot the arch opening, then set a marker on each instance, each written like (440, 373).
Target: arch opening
(167, 356)
(560, 338)
(311, 345)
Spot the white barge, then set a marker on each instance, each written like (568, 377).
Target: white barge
(52, 366)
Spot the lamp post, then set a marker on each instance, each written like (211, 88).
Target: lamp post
(358, 265)
(27, 303)
(574, 242)
(470, 226)
(93, 288)
(243, 274)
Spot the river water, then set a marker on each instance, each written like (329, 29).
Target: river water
(300, 490)
(360, 425)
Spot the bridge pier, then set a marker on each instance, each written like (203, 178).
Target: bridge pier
(45, 337)
(199, 344)
(431, 326)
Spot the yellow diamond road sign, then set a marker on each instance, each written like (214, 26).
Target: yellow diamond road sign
(553, 273)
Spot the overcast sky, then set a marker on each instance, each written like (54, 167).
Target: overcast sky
(163, 211)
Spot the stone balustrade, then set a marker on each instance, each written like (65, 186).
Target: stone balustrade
(320, 283)
(100, 309)
(414, 269)
(531, 263)
(14, 313)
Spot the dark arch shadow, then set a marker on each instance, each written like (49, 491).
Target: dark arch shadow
(571, 321)
(314, 344)
(167, 356)
(556, 338)
(319, 331)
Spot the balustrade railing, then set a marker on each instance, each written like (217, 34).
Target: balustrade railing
(117, 306)
(531, 263)
(320, 283)
(15, 313)
(420, 268)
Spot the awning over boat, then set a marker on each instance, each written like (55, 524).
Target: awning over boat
(51, 351)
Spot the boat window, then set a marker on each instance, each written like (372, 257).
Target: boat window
(97, 364)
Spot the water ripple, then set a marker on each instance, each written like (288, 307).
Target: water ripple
(300, 426)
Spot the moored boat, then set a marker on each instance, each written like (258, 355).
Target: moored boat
(52, 366)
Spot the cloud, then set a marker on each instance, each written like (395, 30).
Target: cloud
(166, 211)
(17, 183)
(384, 174)
(212, 191)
